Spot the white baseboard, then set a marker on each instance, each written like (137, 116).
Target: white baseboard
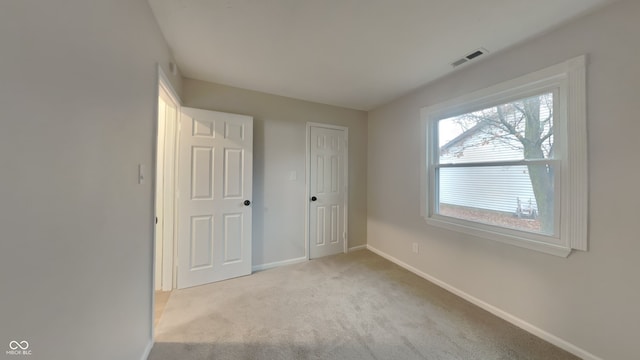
(356, 248)
(296, 260)
(147, 350)
(563, 344)
(278, 263)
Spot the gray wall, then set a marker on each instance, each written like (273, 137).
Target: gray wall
(589, 299)
(279, 148)
(78, 98)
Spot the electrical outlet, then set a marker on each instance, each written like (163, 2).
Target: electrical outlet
(415, 248)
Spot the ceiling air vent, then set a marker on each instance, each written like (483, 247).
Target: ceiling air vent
(469, 57)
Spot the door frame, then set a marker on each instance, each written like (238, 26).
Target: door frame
(169, 243)
(307, 236)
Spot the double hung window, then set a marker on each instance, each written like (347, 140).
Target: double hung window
(509, 162)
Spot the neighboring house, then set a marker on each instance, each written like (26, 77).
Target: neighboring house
(493, 188)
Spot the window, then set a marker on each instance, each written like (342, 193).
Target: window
(509, 163)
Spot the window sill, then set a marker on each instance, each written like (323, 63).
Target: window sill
(520, 241)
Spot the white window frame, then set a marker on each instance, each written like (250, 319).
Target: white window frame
(567, 81)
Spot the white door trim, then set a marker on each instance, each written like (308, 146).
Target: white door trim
(163, 81)
(164, 104)
(169, 243)
(308, 183)
(169, 209)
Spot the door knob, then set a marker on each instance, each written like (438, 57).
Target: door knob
(313, 198)
(247, 203)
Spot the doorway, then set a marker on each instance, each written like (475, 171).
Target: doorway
(203, 193)
(165, 195)
(327, 189)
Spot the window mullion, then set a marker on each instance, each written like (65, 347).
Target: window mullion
(500, 163)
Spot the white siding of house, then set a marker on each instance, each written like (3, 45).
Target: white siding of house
(493, 188)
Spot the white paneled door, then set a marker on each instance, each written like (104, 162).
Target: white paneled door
(327, 190)
(214, 204)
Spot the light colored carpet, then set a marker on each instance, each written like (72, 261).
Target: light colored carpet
(162, 297)
(348, 306)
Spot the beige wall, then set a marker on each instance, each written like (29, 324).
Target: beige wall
(77, 93)
(590, 299)
(279, 148)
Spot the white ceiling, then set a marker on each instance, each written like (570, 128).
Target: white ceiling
(353, 53)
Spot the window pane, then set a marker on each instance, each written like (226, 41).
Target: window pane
(521, 129)
(517, 197)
